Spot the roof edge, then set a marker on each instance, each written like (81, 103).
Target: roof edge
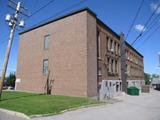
(108, 28)
(133, 49)
(61, 17)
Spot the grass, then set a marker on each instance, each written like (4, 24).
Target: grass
(39, 104)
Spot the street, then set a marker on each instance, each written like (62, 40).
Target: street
(143, 107)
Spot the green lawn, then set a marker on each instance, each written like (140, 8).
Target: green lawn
(36, 104)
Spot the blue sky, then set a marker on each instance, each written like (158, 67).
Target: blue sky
(117, 14)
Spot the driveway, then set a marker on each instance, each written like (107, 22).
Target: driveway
(143, 107)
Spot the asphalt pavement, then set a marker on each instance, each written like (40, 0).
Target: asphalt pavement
(143, 107)
(6, 116)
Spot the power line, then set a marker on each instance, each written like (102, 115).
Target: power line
(150, 28)
(145, 26)
(134, 20)
(151, 25)
(155, 19)
(149, 36)
(38, 10)
(62, 11)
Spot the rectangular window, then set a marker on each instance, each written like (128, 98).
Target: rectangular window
(98, 44)
(118, 49)
(116, 66)
(108, 65)
(110, 44)
(115, 46)
(46, 42)
(112, 66)
(107, 40)
(99, 71)
(45, 66)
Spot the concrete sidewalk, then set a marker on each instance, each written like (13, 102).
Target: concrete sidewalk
(143, 107)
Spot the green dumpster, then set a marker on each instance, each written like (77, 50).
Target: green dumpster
(133, 91)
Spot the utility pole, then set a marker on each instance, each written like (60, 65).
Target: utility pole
(123, 63)
(12, 20)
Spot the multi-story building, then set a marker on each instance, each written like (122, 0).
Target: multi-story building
(78, 54)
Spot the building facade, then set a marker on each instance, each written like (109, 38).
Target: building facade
(78, 54)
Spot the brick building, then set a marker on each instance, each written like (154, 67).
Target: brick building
(79, 55)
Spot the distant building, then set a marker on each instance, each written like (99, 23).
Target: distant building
(156, 83)
(82, 55)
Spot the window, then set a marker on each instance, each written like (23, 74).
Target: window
(46, 42)
(109, 62)
(115, 44)
(110, 44)
(107, 40)
(118, 49)
(99, 72)
(112, 62)
(99, 44)
(116, 67)
(45, 66)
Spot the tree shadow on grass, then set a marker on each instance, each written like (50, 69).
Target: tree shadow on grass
(20, 97)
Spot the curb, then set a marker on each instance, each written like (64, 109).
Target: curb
(17, 114)
(68, 110)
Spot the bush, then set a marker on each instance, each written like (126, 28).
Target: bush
(10, 80)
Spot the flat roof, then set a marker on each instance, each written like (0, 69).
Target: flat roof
(59, 18)
(75, 12)
(70, 14)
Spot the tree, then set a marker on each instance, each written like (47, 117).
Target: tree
(10, 80)
(147, 78)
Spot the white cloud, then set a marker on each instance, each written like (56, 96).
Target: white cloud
(140, 28)
(154, 7)
(157, 68)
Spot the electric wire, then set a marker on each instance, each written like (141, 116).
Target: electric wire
(145, 25)
(58, 13)
(135, 18)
